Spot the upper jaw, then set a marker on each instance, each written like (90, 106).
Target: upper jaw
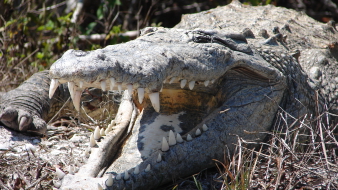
(163, 57)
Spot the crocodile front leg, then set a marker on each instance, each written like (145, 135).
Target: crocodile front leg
(26, 108)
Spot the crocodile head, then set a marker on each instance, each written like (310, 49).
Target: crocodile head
(204, 86)
(190, 93)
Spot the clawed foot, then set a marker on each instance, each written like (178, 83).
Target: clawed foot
(21, 120)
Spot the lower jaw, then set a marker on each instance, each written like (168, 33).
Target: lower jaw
(187, 107)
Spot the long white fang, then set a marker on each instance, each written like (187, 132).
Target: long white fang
(118, 177)
(204, 127)
(110, 180)
(119, 87)
(97, 134)
(92, 141)
(140, 93)
(112, 83)
(165, 145)
(191, 85)
(183, 83)
(155, 100)
(77, 100)
(179, 138)
(71, 88)
(59, 173)
(102, 132)
(126, 175)
(148, 168)
(130, 89)
(206, 83)
(159, 158)
(54, 83)
(172, 139)
(172, 80)
(81, 84)
(137, 170)
(198, 132)
(103, 85)
(99, 187)
(189, 138)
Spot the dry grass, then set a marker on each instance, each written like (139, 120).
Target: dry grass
(303, 156)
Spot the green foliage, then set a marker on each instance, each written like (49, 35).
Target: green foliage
(197, 183)
(34, 36)
(259, 2)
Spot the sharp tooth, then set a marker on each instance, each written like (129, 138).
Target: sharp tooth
(109, 128)
(140, 92)
(119, 87)
(71, 86)
(172, 139)
(165, 145)
(172, 80)
(183, 83)
(99, 187)
(212, 81)
(179, 138)
(102, 132)
(103, 85)
(97, 134)
(57, 183)
(87, 153)
(110, 180)
(112, 123)
(112, 83)
(161, 88)
(92, 141)
(137, 170)
(205, 127)
(81, 84)
(198, 132)
(159, 158)
(155, 100)
(130, 89)
(77, 100)
(71, 169)
(126, 175)
(148, 168)
(206, 83)
(54, 83)
(118, 177)
(59, 173)
(189, 138)
(191, 85)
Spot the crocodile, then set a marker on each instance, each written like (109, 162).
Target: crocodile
(188, 92)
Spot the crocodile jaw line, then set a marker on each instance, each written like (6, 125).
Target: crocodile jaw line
(152, 89)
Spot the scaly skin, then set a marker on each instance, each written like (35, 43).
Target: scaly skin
(258, 74)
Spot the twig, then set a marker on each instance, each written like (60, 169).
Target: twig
(2, 185)
(37, 181)
(30, 55)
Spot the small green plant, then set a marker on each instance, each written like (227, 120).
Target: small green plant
(197, 183)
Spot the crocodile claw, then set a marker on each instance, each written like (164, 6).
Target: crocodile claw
(21, 120)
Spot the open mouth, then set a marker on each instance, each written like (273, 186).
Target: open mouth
(181, 100)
